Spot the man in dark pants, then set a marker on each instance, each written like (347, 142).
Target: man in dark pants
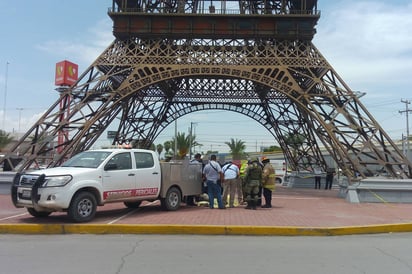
(213, 172)
(190, 200)
(318, 172)
(268, 182)
(330, 173)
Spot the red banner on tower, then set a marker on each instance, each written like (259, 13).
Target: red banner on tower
(66, 73)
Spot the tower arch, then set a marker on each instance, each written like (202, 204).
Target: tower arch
(170, 58)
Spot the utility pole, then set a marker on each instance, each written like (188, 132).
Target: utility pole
(191, 139)
(175, 148)
(194, 134)
(407, 110)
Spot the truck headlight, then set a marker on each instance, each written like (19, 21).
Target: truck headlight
(53, 181)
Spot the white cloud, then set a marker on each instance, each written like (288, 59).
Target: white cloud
(368, 41)
(102, 34)
(85, 50)
(82, 49)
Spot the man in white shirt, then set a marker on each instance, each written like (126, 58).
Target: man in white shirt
(231, 176)
(318, 173)
(213, 172)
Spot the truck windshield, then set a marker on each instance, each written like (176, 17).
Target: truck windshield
(87, 159)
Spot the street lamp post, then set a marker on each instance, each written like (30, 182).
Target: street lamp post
(5, 95)
(20, 110)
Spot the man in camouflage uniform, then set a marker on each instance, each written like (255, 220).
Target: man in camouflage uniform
(253, 179)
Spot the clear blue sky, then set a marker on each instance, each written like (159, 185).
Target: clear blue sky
(368, 43)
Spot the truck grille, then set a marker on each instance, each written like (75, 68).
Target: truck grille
(28, 180)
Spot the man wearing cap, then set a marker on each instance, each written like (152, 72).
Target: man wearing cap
(253, 178)
(268, 182)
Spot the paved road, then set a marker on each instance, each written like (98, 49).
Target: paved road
(5, 189)
(181, 254)
(295, 212)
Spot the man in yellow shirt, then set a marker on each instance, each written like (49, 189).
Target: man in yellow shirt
(241, 185)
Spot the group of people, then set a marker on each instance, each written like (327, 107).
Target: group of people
(247, 182)
(330, 173)
(259, 177)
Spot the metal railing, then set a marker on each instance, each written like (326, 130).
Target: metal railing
(212, 11)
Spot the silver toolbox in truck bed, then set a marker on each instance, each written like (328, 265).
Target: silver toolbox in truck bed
(187, 176)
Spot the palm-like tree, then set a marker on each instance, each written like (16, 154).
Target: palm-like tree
(183, 144)
(237, 148)
(295, 141)
(167, 146)
(5, 139)
(159, 149)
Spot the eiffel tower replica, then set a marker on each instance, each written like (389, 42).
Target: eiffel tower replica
(170, 58)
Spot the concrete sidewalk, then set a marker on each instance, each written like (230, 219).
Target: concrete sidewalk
(295, 212)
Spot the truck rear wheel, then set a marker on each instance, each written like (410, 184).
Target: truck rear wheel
(83, 207)
(132, 204)
(38, 214)
(172, 200)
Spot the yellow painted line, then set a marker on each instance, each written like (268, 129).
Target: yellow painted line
(379, 197)
(200, 229)
(30, 229)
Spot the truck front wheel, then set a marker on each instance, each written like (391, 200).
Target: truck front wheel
(172, 200)
(83, 207)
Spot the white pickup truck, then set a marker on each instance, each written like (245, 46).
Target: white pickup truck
(96, 177)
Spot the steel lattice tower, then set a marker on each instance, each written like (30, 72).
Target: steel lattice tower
(173, 57)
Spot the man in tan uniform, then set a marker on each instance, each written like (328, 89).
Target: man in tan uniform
(268, 182)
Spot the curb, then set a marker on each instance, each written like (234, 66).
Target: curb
(200, 229)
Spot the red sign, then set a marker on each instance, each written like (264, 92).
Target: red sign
(66, 73)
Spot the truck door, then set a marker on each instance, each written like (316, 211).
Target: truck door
(120, 179)
(148, 177)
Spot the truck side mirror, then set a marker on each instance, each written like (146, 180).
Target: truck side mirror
(110, 166)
